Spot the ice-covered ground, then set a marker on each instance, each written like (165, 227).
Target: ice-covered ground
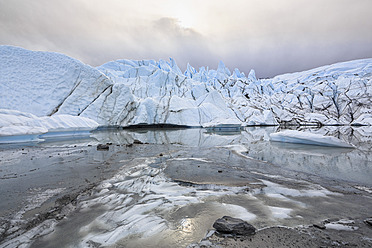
(128, 92)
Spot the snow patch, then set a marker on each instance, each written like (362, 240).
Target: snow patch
(280, 213)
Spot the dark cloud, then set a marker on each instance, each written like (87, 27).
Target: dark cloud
(265, 35)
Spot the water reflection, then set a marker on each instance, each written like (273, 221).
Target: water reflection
(144, 206)
(309, 149)
(186, 225)
(337, 163)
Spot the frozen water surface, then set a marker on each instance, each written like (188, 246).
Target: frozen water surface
(165, 188)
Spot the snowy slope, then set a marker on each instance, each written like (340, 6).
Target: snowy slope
(43, 83)
(128, 92)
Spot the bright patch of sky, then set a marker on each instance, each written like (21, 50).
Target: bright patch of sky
(270, 36)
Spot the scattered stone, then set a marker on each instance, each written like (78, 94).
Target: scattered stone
(60, 217)
(230, 225)
(319, 225)
(368, 221)
(101, 147)
(203, 244)
(93, 244)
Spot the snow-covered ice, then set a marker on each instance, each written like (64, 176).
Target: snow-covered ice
(342, 225)
(131, 92)
(16, 126)
(44, 83)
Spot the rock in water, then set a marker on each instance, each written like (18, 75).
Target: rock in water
(319, 225)
(102, 147)
(368, 221)
(230, 225)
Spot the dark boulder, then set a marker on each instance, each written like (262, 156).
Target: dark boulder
(319, 225)
(230, 225)
(368, 221)
(102, 147)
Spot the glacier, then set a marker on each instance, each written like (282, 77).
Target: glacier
(148, 92)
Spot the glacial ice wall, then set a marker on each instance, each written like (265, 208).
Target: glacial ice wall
(328, 95)
(128, 92)
(43, 83)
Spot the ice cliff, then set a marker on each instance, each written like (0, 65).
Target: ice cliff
(128, 92)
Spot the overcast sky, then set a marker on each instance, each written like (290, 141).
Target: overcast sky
(270, 36)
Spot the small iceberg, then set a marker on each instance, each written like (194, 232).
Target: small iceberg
(297, 137)
(20, 127)
(21, 134)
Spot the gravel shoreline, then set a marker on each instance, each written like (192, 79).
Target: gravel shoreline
(306, 236)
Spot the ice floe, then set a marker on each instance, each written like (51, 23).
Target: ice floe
(16, 126)
(342, 225)
(298, 137)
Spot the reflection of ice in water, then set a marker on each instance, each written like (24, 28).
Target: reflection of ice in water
(140, 204)
(139, 200)
(338, 163)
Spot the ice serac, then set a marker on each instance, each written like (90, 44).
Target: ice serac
(44, 83)
(190, 71)
(132, 92)
(334, 94)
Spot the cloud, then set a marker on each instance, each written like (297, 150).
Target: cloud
(266, 35)
(184, 44)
